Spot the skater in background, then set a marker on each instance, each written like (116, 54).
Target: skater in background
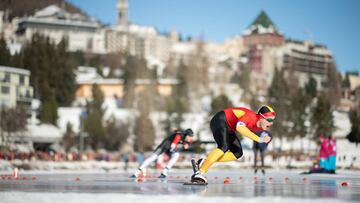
(261, 148)
(169, 146)
(331, 149)
(325, 151)
(126, 161)
(224, 126)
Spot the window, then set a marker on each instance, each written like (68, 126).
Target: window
(5, 90)
(22, 80)
(7, 77)
(28, 95)
(4, 103)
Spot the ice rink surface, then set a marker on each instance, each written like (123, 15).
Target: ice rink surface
(224, 186)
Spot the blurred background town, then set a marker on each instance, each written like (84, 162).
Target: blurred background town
(73, 89)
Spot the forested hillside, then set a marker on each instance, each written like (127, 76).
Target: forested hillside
(19, 8)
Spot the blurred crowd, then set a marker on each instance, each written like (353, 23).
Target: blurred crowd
(71, 156)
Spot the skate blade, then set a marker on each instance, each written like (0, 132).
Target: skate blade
(195, 183)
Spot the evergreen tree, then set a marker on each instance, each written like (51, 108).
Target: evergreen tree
(346, 82)
(144, 129)
(36, 59)
(244, 80)
(182, 90)
(146, 99)
(354, 135)
(95, 61)
(130, 75)
(298, 114)
(48, 108)
(196, 75)
(65, 76)
(219, 103)
(93, 124)
(175, 109)
(178, 103)
(78, 57)
(311, 88)
(5, 57)
(17, 60)
(279, 100)
(333, 85)
(296, 107)
(51, 67)
(322, 117)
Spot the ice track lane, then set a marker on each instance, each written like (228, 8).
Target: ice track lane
(342, 186)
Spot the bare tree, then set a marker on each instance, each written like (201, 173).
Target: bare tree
(12, 120)
(69, 138)
(117, 133)
(144, 130)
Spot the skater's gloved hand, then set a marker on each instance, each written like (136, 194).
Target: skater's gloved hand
(265, 138)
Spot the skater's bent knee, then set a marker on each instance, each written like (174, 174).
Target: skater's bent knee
(238, 155)
(224, 148)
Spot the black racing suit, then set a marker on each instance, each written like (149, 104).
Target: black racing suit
(176, 138)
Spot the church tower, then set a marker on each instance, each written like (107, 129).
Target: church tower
(122, 7)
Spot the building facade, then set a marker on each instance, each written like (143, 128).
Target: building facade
(142, 41)
(15, 89)
(307, 59)
(80, 31)
(259, 40)
(114, 88)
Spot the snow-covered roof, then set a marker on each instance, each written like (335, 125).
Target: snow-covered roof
(259, 29)
(261, 25)
(61, 22)
(183, 48)
(103, 81)
(85, 74)
(44, 133)
(142, 29)
(168, 81)
(53, 11)
(14, 70)
(50, 11)
(54, 15)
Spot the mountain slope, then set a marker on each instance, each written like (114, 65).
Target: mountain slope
(20, 8)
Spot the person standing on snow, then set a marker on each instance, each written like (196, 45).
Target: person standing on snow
(331, 162)
(323, 153)
(260, 147)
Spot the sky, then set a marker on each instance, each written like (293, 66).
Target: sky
(334, 23)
